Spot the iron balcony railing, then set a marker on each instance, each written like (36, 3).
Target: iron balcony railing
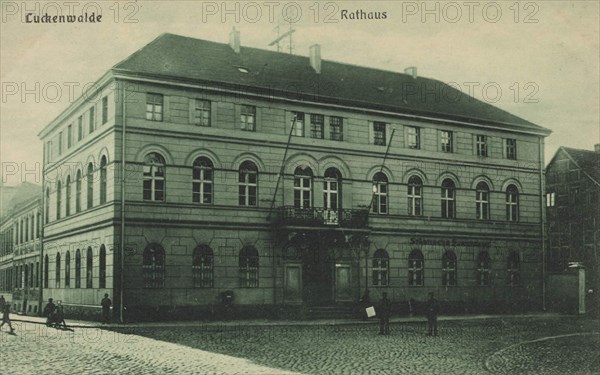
(347, 218)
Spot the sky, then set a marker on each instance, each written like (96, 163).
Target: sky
(536, 59)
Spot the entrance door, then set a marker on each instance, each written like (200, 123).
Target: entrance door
(293, 283)
(343, 283)
(317, 277)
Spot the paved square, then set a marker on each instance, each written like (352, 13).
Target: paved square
(534, 345)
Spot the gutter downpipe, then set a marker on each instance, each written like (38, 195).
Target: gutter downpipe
(543, 222)
(41, 269)
(122, 239)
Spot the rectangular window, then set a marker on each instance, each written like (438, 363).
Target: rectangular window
(511, 149)
(446, 141)
(379, 133)
(48, 151)
(202, 112)
(248, 118)
(80, 123)
(154, 107)
(336, 128)
(70, 136)
(79, 128)
(298, 124)
(104, 110)
(414, 137)
(92, 119)
(60, 143)
(481, 145)
(317, 123)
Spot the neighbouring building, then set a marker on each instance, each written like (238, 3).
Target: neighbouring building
(199, 169)
(20, 250)
(573, 213)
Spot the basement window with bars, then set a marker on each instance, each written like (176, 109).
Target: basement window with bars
(153, 266)
(202, 267)
(248, 270)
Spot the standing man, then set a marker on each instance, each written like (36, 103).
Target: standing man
(6, 317)
(384, 312)
(432, 313)
(106, 303)
(2, 303)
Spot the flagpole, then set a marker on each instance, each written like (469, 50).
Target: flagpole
(282, 169)
(387, 150)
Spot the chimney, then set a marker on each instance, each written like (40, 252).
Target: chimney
(315, 57)
(412, 70)
(234, 40)
(597, 147)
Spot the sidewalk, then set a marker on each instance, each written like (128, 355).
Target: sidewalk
(258, 323)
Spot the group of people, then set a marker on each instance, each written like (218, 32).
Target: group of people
(384, 311)
(55, 314)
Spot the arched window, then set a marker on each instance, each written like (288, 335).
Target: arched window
(249, 267)
(47, 206)
(483, 275)
(57, 273)
(78, 192)
(416, 268)
(202, 267)
(512, 203)
(154, 177)
(68, 196)
(202, 181)
(58, 199)
(449, 269)
(380, 193)
(38, 225)
(415, 196)
(303, 177)
(332, 186)
(482, 201)
(513, 269)
(380, 268)
(46, 268)
(90, 186)
(89, 268)
(103, 180)
(78, 269)
(37, 274)
(448, 199)
(248, 184)
(153, 266)
(68, 270)
(25, 276)
(102, 267)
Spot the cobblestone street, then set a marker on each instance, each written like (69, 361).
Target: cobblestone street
(532, 345)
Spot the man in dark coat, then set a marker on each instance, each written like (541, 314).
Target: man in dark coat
(384, 311)
(6, 317)
(106, 303)
(49, 311)
(432, 313)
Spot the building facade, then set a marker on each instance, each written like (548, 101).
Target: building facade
(20, 251)
(573, 213)
(199, 168)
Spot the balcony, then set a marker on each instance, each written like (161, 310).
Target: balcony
(321, 217)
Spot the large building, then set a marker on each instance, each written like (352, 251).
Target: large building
(573, 213)
(199, 168)
(20, 250)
